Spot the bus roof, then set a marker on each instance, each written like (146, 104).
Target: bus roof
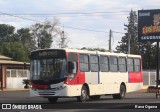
(91, 52)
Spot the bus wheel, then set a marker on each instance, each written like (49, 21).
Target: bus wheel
(52, 100)
(84, 94)
(122, 93)
(96, 97)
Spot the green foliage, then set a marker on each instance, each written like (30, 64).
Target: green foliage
(15, 50)
(132, 32)
(6, 33)
(45, 33)
(26, 38)
(146, 49)
(18, 44)
(25, 81)
(94, 49)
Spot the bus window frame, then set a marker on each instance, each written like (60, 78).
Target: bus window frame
(103, 63)
(84, 63)
(130, 64)
(113, 64)
(122, 64)
(73, 60)
(137, 65)
(94, 63)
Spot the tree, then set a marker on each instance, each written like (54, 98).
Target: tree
(132, 34)
(94, 49)
(45, 33)
(15, 50)
(6, 33)
(145, 49)
(26, 38)
(12, 44)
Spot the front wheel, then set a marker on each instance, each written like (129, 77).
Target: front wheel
(122, 93)
(52, 100)
(84, 94)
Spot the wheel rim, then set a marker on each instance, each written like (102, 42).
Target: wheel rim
(122, 92)
(83, 94)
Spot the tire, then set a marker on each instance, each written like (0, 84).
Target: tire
(122, 93)
(84, 95)
(52, 100)
(96, 97)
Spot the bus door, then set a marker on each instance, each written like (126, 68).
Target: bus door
(72, 68)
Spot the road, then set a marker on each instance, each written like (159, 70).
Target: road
(106, 102)
(24, 97)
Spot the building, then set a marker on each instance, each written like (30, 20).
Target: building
(12, 73)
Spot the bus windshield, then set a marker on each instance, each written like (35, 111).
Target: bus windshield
(48, 69)
(48, 64)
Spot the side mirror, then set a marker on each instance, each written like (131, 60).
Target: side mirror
(70, 67)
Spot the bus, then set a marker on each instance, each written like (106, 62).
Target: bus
(58, 73)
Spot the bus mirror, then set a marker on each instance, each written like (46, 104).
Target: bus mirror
(70, 66)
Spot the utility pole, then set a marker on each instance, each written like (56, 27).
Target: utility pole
(157, 81)
(110, 36)
(129, 44)
(63, 40)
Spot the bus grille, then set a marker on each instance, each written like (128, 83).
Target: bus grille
(44, 93)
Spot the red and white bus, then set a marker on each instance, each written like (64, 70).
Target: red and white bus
(58, 73)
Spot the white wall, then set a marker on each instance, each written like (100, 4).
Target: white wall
(15, 82)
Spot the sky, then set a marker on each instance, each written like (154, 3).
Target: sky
(85, 22)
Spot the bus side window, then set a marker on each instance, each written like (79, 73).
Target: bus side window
(137, 65)
(72, 65)
(84, 63)
(122, 64)
(113, 64)
(130, 65)
(94, 63)
(104, 64)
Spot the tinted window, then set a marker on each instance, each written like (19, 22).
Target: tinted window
(130, 64)
(84, 63)
(113, 64)
(104, 63)
(137, 65)
(72, 57)
(94, 63)
(122, 64)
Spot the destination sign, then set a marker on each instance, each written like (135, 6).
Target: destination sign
(47, 54)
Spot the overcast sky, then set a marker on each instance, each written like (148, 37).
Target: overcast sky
(95, 15)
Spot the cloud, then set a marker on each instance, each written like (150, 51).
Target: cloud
(116, 12)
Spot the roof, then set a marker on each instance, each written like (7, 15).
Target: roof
(4, 58)
(7, 60)
(12, 62)
(91, 52)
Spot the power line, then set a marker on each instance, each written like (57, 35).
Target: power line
(20, 17)
(72, 13)
(86, 29)
(59, 25)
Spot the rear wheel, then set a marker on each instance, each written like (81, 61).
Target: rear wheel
(84, 94)
(52, 100)
(96, 97)
(122, 93)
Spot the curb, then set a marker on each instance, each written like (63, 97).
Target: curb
(153, 89)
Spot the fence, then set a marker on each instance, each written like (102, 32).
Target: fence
(149, 78)
(15, 77)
